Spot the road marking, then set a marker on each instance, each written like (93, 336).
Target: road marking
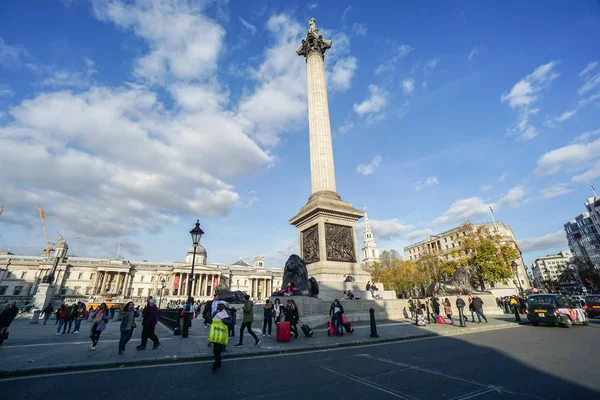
(434, 372)
(370, 384)
(477, 393)
(19, 346)
(88, 369)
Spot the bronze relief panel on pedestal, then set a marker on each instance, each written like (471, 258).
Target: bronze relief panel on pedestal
(339, 242)
(310, 244)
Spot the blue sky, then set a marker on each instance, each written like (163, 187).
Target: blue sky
(127, 121)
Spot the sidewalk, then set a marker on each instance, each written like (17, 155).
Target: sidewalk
(35, 349)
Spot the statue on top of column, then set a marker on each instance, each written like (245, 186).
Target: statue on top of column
(313, 42)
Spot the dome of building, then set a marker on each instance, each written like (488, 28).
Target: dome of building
(200, 250)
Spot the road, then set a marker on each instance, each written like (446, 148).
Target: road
(520, 363)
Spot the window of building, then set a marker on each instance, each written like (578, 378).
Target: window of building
(17, 291)
(141, 279)
(373, 251)
(80, 276)
(150, 292)
(140, 292)
(76, 289)
(23, 275)
(88, 290)
(3, 290)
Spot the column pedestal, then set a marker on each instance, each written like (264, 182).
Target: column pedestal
(43, 295)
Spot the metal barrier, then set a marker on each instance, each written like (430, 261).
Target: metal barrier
(170, 318)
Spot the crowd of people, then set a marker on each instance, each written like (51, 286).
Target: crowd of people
(431, 308)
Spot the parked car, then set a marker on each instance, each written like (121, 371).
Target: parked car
(554, 309)
(592, 305)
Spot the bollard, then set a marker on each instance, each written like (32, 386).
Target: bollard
(461, 315)
(517, 317)
(373, 326)
(186, 325)
(36, 317)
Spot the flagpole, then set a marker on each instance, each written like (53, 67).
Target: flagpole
(493, 219)
(592, 187)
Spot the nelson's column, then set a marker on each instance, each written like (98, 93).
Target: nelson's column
(326, 224)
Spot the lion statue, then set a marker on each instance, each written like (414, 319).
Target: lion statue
(295, 278)
(230, 296)
(459, 284)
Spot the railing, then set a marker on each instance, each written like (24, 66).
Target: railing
(170, 318)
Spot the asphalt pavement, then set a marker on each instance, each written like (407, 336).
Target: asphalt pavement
(522, 363)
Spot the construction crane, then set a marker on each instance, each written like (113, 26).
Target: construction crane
(49, 246)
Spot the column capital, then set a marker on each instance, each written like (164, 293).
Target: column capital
(314, 43)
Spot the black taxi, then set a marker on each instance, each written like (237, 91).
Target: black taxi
(554, 309)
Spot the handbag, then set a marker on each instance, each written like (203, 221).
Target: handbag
(219, 333)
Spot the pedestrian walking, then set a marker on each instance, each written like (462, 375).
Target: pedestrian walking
(80, 315)
(411, 306)
(335, 313)
(61, 315)
(149, 324)
(71, 312)
(435, 305)
(127, 325)
(6, 318)
(100, 321)
(478, 306)
(291, 316)
(247, 322)
(460, 304)
(472, 309)
(48, 311)
(448, 310)
(220, 321)
(267, 317)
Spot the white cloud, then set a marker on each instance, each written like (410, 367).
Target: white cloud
(11, 56)
(419, 233)
(552, 162)
(430, 65)
(463, 210)
(485, 188)
(399, 53)
(346, 127)
(589, 84)
(588, 68)
(549, 241)
(431, 181)
(342, 73)
(251, 28)
(473, 53)
(359, 29)
(524, 94)
(408, 86)
(311, 6)
(346, 11)
(183, 42)
(376, 102)
(368, 169)
(512, 198)
(502, 177)
(475, 207)
(386, 229)
(556, 190)
(6, 91)
(585, 136)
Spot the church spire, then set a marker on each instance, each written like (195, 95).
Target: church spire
(370, 250)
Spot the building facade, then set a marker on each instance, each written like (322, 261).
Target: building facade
(446, 246)
(99, 279)
(546, 270)
(582, 235)
(370, 250)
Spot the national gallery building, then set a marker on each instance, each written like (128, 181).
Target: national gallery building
(100, 279)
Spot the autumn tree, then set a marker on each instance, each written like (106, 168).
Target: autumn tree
(397, 274)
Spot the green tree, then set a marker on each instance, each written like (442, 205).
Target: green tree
(397, 274)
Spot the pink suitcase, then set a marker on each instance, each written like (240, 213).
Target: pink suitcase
(283, 332)
(330, 329)
(440, 319)
(347, 325)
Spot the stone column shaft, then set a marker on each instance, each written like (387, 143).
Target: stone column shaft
(322, 173)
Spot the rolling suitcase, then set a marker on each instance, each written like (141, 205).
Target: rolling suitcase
(331, 329)
(440, 319)
(347, 325)
(283, 332)
(306, 330)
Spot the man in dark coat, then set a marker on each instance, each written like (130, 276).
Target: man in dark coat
(149, 321)
(478, 305)
(6, 318)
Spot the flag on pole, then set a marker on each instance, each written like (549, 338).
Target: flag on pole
(592, 187)
(491, 210)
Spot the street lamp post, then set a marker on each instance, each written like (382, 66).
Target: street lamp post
(516, 268)
(196, 235)
(163, 283)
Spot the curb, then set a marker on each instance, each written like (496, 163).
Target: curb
(186, 359)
